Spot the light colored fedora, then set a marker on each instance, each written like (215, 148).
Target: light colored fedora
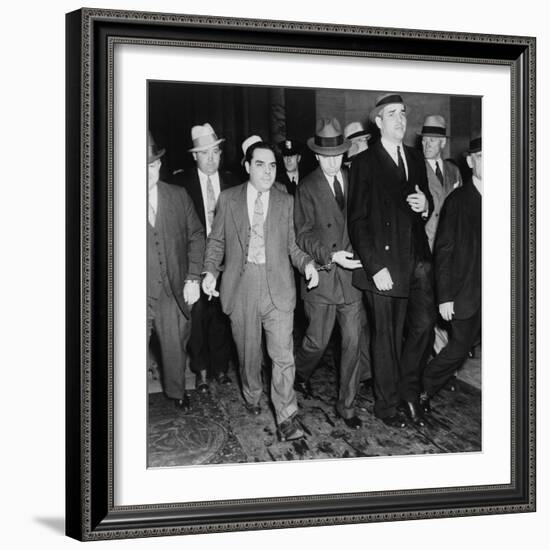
(382, 101)
(354, 130)
(251, 140)
(328, 139)
(203, 138)
(434, 126)
(153, 152)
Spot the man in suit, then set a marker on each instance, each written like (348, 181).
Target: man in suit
(359, 138)
(210, 343)
(457, 260)
(175, 248)
(443, 178)
(389, 203)
(291, 150)
(254, 231)
(320, 218)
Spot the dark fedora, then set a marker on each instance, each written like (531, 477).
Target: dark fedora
(328, 139)
(290, 147)
(475, 145)
(382, 101)
(153, 152)
(434, 126)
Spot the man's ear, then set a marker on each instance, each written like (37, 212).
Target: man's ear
(298, 158)
(469, 161)
(378, 121)
(194, 156)
(247, 167)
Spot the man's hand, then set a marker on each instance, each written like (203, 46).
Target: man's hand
(191, 292)
(417, 201)
(383, 280)
(447, 310)
(311, 275)
(209, 286)
(343, 259)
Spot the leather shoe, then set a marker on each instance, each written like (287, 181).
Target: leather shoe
(353, 423)
(289, 430)
(394, 421)
(183, 404)
(303, 386)
(223, 379)
(253, 409)
(202, 382)
(414, 413)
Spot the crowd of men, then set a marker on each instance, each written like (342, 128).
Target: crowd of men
(382, 239)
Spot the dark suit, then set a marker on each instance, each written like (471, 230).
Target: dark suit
(258, 295)
(386, 233)
(175, 247)
(210, 342)
(457, 257)
(321, 229)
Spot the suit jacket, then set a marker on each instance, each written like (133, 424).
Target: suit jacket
(181, 240)
(190, 181)
(229, 239)
(451, 180)
(321, 228)
(384, 231)
(457, 251)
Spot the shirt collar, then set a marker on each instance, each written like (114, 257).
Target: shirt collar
(478, 184)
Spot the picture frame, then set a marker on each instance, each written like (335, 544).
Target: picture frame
(91, 511)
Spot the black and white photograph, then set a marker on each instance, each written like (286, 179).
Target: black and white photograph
(314, 272)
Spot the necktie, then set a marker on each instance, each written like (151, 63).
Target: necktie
(338, 194)
(210, 202)
(438, 172)
(401, 165)
(256, 247)
(151, 215)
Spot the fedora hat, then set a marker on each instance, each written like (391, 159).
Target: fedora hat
(290, 147)
(204, 137)
(382, 101)
(434, 126)
(328, 139)
(153, 152)
(475, 146)
(354, 130)
(251, 140)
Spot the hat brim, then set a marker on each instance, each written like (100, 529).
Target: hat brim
(328, 151)
(356, 135)
(376, 111)
(156, 156)
(432, 134)
(206, 147)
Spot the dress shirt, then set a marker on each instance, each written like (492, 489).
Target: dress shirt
(479, 184)
(251, 194)
(215, 179)
(293, 176)
(330, 180)
(432, 163)
(154, 199)
(391, 148)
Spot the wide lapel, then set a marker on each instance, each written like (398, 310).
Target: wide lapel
(274, 220)
(391, 178)
(239, 211)
(448, 177)
(434, 185)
